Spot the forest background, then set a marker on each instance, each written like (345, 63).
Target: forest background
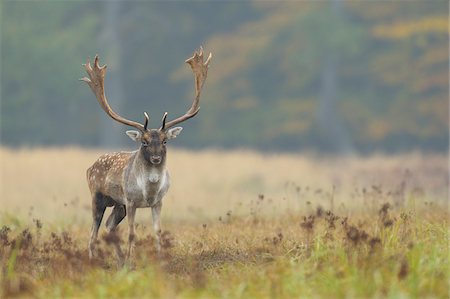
(329, 76)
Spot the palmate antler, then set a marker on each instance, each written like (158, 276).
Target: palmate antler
(96, 82)
(200, 70)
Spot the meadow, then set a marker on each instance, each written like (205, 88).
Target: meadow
(237, 224)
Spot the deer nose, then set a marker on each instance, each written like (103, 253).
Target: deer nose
(155, 159)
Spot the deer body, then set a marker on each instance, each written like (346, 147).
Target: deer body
(130, 180)
(126, 181)
(124, 176)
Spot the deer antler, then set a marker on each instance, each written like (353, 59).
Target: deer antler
(200, 70)
(95, 81)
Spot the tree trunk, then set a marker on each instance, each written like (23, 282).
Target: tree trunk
(111, 131)
(336, 139)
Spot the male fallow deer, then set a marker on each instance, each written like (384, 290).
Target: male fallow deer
(138, 179)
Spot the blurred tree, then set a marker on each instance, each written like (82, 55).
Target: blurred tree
(109, 131)
(285, 75)
(334, 134)
(378, 77)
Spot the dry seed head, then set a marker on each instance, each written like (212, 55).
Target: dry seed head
(404, 269)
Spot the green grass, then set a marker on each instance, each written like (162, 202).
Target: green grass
(243, 257)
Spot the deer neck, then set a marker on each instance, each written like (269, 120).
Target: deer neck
(144, 168)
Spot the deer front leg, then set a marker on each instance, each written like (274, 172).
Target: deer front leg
(156, 216)
(131, 209)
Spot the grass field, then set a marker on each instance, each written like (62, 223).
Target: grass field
(236, 225)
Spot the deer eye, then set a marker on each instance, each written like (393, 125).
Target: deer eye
(144, 143)
(164, 142)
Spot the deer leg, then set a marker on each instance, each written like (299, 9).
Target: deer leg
(98, 209)
(131, 235)
(156, 216)
(118, 213)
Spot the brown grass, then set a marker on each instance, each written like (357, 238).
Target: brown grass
(51, 184)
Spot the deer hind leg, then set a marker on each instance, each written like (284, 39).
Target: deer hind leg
(98, 209)
(118, 213)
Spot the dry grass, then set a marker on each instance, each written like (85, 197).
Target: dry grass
(52, 183)
(237, 224)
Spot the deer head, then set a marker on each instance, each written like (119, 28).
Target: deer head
(152, 141)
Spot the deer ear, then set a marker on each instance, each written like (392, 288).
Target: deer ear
(173, 132)
(134, 135)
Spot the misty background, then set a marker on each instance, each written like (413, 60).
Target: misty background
(330, 76)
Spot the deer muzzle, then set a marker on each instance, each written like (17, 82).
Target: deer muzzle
(154, 159)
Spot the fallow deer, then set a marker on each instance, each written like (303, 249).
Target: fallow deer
(138, 179)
